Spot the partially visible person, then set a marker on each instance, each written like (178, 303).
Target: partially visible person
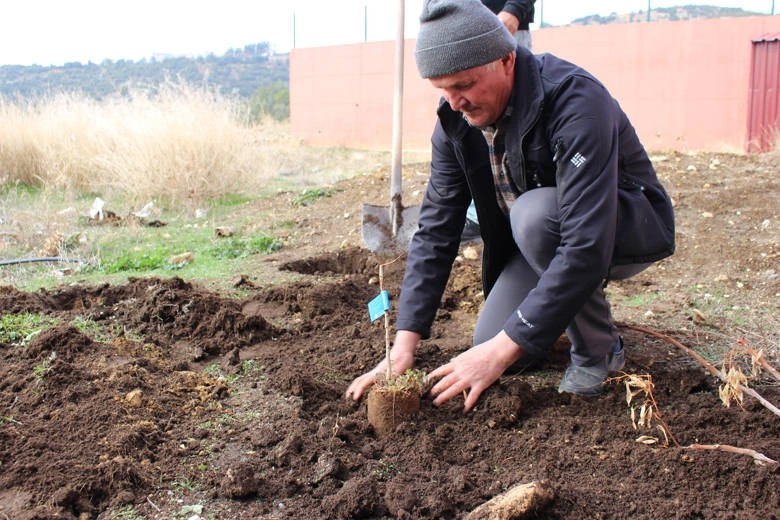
(517, 16)
(566, 195)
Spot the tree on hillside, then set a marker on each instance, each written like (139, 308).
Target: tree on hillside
(273, 100)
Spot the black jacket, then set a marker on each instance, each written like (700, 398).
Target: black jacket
(522, 9)
(568, 132)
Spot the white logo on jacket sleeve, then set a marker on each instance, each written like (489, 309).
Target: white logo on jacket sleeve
(525, 321)
(578, 160)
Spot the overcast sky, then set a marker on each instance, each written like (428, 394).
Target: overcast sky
(53, 32)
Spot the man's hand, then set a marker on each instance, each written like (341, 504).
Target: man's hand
(474, 370)
(510, 21)
(402, 357)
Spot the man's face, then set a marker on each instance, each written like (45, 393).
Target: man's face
(481, 93)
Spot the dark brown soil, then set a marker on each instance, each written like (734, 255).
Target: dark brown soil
(194, 403)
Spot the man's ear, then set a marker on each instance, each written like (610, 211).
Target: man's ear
(508, 62)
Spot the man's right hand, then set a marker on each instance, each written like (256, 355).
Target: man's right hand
(402, 357)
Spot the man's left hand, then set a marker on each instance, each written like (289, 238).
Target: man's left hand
(474, 370)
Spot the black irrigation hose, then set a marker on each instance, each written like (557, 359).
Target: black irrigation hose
(15, 261)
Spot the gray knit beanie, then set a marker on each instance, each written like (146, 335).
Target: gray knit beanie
(456, 35)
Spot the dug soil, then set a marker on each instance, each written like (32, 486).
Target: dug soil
(187, 402)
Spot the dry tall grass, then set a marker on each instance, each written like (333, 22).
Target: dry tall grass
(181, 145)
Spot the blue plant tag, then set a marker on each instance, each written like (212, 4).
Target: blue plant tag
(379, 306)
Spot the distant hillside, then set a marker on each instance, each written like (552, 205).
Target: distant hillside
(686, 12)
(238, 72)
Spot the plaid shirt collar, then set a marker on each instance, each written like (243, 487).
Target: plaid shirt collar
(495, 136)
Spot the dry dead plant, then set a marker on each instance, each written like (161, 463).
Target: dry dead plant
(643, 415)
(180, 143)
(733, 383)
(739, 359)
(734, 388)
(176, 143)
(334, 431)
(734, 380)
(644, 412)
(758, 361)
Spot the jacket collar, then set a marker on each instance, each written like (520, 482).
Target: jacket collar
(529, 94)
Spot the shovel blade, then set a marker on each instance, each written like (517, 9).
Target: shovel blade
(377, 229)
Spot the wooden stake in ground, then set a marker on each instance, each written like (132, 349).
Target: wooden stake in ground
(516, 503)
(389, 374)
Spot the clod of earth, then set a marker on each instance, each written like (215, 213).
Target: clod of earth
(395, 400)
(388, 407)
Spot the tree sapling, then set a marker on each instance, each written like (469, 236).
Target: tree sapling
(394, 398)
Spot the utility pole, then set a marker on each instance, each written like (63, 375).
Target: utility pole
(648, 10)
(365, 23)
(541, 14)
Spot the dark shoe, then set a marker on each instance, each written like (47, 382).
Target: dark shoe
(589, 381)
(470, 232)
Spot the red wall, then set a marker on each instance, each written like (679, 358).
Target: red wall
(685, 85)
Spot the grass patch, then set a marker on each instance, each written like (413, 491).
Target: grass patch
(41, 369)
(95, 330)
(185, 485)
(218, 423)
(231, 200)
(712, 352)
(249, 368)
(20, 329)
(143, 261)
(310, 195)
(126, 512)
(641, 300)
(19, 190)
(181, 248)
(385, 470)
(8, 419)
(241, 247)
(716, 304)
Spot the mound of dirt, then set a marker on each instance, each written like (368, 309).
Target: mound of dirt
(188, 402)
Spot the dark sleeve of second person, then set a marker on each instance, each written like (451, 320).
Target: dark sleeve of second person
(522, 9)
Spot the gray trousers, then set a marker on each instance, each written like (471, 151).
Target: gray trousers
(535, 227)
(524, 39)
